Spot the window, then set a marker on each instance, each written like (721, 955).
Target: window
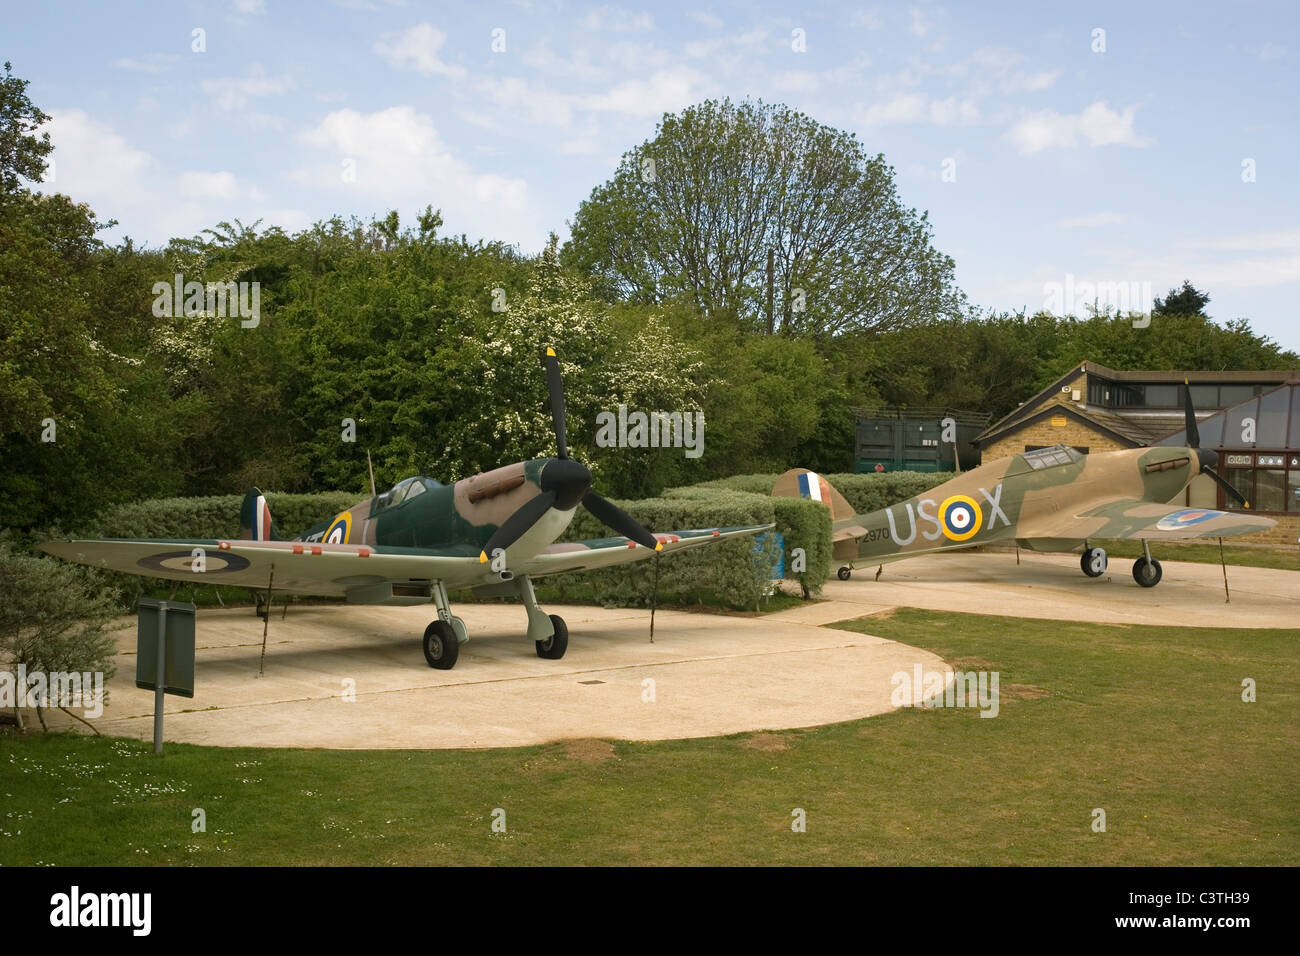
(1163, 396)
(1270, 490)
(1293, 489)
(1243, 479)
(1230, 395)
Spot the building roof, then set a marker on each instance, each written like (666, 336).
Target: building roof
(1136, 428)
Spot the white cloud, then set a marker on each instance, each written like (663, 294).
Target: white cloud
(705, 19)
(149, 63)
(868, 19)
(1097, 125)
(919, 26)
(607, 18)
(401, 160)
(93, 163)
(417, 49)
(204, 185)
(233, 92)
(1092, 220)
(920, 108)
(250, 7)
(664, 92)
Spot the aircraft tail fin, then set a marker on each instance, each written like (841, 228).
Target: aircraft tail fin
(255, 518)
(802, 483)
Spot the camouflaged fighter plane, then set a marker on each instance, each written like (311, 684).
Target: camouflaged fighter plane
(1051, 499)
(492, 533)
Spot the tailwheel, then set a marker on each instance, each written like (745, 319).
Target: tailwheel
(844, 573)
(1147, 572)
(440, 645)
(1093, 562)
(553, 647)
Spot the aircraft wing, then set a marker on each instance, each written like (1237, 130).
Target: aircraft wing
(606, 552)
(300, 567)
(334, 569)
(1130, 518)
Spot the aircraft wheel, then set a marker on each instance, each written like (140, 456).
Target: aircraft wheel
(844, 574)
(440, 646)
(553, 647)
(1147, 573)
(1093, 562)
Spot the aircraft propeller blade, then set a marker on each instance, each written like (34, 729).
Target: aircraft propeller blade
(1193, 432)
(1208, 459)
(517, 525)
(1227, 488)
(555, 385)
(612, 516)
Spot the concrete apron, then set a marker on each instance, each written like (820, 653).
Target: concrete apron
(705, 675)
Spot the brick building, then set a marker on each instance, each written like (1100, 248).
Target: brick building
(1251, 418)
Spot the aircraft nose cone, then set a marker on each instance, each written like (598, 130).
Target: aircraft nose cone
(1208, 458)
(569, 479)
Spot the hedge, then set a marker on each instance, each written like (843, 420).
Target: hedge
(866, 492)
(735, 571)
(215, 517)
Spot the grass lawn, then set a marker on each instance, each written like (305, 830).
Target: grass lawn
(1146, 723)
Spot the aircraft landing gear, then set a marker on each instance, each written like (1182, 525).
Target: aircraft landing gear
(1093, 562)
(844, 573)
(1146, 572)
(442, 638)
(1146, 569)
(440, 646)
(553, 647)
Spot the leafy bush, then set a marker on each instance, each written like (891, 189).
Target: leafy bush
(872, 492)
(737, 572)
(53, 618)
(214, 517)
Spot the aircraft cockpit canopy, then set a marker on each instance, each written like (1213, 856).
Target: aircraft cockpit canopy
(404, 491)
(1041, 458)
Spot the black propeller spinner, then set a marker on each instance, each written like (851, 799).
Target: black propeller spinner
(1208, 459)
(565, 484)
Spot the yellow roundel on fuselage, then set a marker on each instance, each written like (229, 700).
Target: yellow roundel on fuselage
(960, 518)
(340, 529)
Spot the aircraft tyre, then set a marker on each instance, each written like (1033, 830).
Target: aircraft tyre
(553, 647)
(1147, 573)
(440, 646)
(1093, 562)
(844, 573)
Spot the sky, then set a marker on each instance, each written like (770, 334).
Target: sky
(1063, 152)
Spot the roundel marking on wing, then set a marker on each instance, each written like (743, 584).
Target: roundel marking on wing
(1181, 519)
(215, 562)
(960, 518)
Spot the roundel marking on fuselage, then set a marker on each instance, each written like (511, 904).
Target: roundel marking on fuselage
(960, 518)
(340, 529)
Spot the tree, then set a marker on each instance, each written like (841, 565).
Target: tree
(1185, 301)
(22, 154)
(54, 619)
(697, 211)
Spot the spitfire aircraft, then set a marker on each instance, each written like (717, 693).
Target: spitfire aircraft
(1051, 499)
(493, 533)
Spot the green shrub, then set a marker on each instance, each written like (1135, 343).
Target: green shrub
(214, 517)
(733, 571)
(871, 492)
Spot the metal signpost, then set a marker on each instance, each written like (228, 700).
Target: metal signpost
(164, 654)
